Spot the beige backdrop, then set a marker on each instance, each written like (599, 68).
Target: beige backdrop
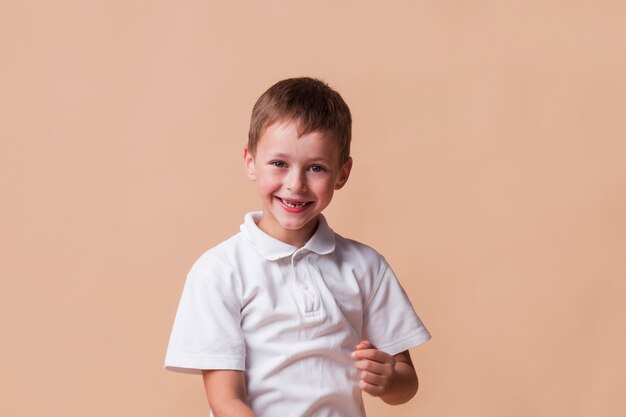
(490, 169)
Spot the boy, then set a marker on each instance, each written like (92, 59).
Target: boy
(287, 318)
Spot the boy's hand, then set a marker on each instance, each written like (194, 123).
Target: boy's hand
(377, 368)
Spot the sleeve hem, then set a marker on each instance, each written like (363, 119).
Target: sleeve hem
(194, 364)
(406, 343)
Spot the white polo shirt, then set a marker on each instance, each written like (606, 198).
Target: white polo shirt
(290, 319)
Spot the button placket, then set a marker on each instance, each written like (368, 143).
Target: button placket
(306, 292)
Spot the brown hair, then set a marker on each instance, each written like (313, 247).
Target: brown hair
(310, 103)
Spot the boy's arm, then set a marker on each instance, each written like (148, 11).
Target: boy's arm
(392, 378)
(226, 393)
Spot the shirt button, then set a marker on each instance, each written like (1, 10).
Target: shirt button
(304, 286)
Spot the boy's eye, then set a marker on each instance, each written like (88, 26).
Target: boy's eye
(317, 168)
(278, 164)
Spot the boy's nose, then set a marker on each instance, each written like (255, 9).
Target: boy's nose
(296, 182)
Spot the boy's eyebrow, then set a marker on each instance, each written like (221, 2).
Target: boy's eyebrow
(325, 160)
(285, 156)
(278, 155)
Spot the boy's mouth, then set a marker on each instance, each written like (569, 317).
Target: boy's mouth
(293, 204)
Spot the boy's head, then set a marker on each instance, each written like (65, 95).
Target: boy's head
(309, 103)
(298, 154)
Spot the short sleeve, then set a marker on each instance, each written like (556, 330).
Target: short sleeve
(390, 322)
(207, 328)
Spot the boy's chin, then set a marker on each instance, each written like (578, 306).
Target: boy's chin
(299, 226)
(287, 222)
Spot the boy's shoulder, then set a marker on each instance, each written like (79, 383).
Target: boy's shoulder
(358, 252)
(353, 244)
(225, 253)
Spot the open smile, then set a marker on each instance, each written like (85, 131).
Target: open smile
(293, 204)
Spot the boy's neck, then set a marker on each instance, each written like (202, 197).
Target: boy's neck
(297, 238)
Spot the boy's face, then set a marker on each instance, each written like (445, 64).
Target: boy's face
(296, 178)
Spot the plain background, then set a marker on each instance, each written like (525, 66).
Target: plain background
(490, 170)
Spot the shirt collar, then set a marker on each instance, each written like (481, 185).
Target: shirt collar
(322, 242)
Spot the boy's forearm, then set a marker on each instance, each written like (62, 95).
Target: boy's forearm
(226, 392)
(232, 408)
(404, 385)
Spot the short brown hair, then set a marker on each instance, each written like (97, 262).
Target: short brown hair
(308, 102)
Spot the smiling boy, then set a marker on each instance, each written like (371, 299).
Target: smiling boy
(296, 177)
(288, 318)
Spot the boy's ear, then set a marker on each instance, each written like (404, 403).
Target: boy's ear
(344, 174)
(248, 163)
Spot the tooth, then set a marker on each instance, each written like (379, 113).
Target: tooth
(292, 204)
